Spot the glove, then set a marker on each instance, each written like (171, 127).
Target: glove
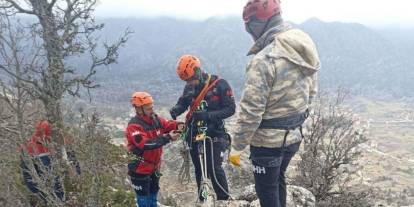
(180, 126)
(200, 116)
(234, 157)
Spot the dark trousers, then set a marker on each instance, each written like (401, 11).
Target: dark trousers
(269, 167)
(146, 189)
(219, 147)
(40, 164)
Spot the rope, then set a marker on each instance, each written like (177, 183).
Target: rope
(184, 176)
(204, 190)
(214, 172)
(205, 187)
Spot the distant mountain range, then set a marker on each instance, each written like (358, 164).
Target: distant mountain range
(370, 62)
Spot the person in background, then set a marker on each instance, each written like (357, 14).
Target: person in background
(40, 158)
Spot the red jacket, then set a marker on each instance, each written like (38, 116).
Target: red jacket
(145, 138)
(36, 145)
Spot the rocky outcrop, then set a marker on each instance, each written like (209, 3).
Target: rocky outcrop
(174, 193)
(297, 197)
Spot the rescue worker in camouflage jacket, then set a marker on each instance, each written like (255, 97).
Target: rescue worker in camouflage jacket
(281, 82)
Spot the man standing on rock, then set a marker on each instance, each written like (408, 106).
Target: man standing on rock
(146, 134)
(217, 95)
(281, 81)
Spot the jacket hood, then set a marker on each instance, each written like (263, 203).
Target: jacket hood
(42, 129)
(297, 47)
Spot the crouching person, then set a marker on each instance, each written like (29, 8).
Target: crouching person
(37, 155)
(146, 134)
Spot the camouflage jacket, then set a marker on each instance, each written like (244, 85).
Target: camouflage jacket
(281, 80)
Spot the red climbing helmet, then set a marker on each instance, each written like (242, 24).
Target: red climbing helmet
(263, 10)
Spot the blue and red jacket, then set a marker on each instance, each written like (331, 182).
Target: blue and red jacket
(220, 101)
(145, 138)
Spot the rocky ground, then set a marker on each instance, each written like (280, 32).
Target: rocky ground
(175, 193)
(388, 162)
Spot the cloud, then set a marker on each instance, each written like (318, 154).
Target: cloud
(371, 12)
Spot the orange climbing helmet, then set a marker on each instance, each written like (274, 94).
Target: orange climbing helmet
(141, 98)
(187, 65)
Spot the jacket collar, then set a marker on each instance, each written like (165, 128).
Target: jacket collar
(145, 118)
(268, 37)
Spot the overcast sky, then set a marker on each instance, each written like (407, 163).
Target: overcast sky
(377, 13)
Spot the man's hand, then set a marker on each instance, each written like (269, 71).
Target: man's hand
(180, 126)
(174, 135)
(234, 157)
(200, 116)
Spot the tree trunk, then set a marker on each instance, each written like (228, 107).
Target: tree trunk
(52, 87)
(54, 116)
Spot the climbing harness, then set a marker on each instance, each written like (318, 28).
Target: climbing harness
(201, 138)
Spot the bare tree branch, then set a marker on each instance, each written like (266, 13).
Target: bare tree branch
(51, 4)
(331, 146)
(13, 4)
(38, 67)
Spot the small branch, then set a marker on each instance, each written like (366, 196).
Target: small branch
(16, 6)
(50, 7)
(17, 77)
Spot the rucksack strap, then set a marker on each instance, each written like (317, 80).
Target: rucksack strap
(200, 97)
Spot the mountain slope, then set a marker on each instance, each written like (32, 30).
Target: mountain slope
(352, 55)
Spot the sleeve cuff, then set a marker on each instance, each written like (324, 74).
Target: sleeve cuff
(239, 147)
